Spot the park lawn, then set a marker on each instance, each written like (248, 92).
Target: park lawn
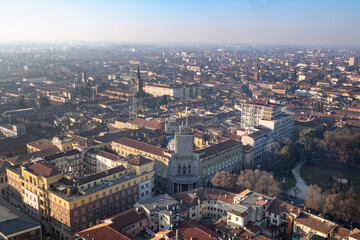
(290, 180)
(322, 173)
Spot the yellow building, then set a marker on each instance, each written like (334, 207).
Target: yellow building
(66, 205)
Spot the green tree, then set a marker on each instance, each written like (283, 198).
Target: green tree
(287, 162)
(306, 138)
(163, 101)
(21, 103)
(44, 101)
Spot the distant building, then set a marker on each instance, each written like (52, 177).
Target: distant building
(264, 123)
(84, 78)
(193, 68)
(59, 98)
(256, 72)
(139, 83)
(161, 89)
(12, 130)
(175, 91)
(353, 61)
(253, 111)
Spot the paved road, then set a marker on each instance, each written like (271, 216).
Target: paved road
(300, 183)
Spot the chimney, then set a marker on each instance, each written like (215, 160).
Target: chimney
(177, 234)
(68, 191)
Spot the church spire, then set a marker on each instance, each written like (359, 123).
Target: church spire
(138, 74)
(139, 83)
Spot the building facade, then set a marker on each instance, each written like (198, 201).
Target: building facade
(65, 204)
(182, 168)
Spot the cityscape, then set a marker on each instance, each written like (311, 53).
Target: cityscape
(180, 120)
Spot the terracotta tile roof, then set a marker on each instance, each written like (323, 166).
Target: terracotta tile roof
(139, 160)
(312, 222)
(127, 218)
(104, 154)
(193, 230)
(252, 227)
(7, 144)
(105, 232)
(43, 169)
(148, 123)
(217, 148)
(112, 228)
(245, 192)
(191, 197)
(99, 175)
(7, 126)
(27, 157)
(340, 232)
(62, 154)
(355, 234)
(3, 165)
(41, 144)
(142, 146)
(278, 207)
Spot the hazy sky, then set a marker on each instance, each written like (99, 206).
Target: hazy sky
(222, 21)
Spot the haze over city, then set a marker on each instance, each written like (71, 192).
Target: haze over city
(179, 120)
(244, 21)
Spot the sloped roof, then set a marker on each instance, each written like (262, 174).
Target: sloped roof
(278, 207)
(139, 160)
(142, 146)
(112, 228)
(43, 169)
(148, 124)
(217, 148)
(102, 174)
(312, 222)
(190, 229)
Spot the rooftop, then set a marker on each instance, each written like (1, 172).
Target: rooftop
(42, 168)
(13, 221)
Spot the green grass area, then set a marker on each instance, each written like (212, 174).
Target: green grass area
(322, 174)
(290, 181)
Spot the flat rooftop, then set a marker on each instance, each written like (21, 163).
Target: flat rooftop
(13, 221)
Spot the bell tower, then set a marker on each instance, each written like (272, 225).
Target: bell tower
(139, 83)
(184, 141)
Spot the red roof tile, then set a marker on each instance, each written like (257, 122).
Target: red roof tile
(139, 160)
(142, 146)
(148, 124)
(193, 230)
(43, 169)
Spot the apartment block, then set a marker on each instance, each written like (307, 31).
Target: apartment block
(175, 91)
(253, 111)
(66, 204)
